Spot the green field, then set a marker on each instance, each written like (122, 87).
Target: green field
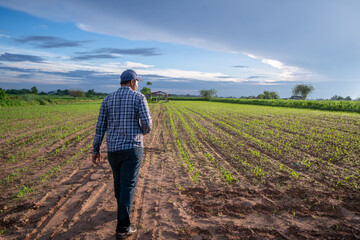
(293, 166)
(300, 145)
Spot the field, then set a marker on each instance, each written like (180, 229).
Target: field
(210, 171)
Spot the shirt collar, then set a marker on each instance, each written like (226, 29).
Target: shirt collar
(126, 87)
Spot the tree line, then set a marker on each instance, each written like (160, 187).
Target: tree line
(300, 91)
(58, 92)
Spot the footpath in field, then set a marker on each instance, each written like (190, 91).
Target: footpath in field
(210, 171)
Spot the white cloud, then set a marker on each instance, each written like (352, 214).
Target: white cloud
(274, 63)
(38, 78)
(42, 54)
(177, 91)
(63, 63)
(5, 36)
(194, 75)
(136, 65)
(285, 73)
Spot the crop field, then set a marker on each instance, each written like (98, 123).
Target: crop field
(210, 171)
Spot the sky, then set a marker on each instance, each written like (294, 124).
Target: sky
(237, 47)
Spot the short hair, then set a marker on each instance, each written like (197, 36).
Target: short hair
(125, 83)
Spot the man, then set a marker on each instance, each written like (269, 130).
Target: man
(125, 116)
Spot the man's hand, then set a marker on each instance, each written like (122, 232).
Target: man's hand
(96, 158)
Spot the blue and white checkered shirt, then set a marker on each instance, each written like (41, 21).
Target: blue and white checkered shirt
(125, 116)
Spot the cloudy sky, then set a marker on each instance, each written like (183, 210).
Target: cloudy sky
(238, 47)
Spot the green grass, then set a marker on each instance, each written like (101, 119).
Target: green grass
(345, 106)
(31, 99)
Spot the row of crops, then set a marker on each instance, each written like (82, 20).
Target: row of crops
(329, 105)
(39, 141)
(271, 145)
(346, 106)
(242, 143)
(31, 99)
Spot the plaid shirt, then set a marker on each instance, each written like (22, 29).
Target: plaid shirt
(125, 116)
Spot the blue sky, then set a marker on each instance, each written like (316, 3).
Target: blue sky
(239, 48)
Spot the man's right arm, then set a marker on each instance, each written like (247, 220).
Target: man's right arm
(100, 127)
(145, 116)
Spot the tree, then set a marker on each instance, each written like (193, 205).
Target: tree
(90, 93)
(145, 90)
(34, 90)
(303, 90)
(336, 98)
(62, 92)
(208, 94)
(77, 93)
(268, 95)
(19, 92)
(2, 94)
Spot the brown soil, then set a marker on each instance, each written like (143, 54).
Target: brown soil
(79, 202)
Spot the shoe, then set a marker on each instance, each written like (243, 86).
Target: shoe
(132, 229)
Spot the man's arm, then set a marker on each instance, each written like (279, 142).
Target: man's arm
(145, 116)
(100, 128)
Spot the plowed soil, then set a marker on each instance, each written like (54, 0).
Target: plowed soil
(78, 202)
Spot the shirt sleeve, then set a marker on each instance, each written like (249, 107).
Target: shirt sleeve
(145, 116)
(100, 127)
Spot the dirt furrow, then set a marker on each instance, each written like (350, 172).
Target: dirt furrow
(79, 203)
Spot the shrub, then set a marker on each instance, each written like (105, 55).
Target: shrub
(2, 94)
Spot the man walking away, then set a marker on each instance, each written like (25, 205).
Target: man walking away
(125, 116)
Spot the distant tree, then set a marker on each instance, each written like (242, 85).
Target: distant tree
(90, 93)
(303, 90)
(208, 94)
(34, 90)
(145, 90)
(17, 91)
(336, 98)
(348, 98)
(59, 92)
(268, 95)
(2, 94)
(77, 93)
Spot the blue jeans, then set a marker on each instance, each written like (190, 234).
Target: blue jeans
(125, 165)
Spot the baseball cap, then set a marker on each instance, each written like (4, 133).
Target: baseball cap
(129, 75)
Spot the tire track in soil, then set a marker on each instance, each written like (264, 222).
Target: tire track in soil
(85, 188)
(161, 209)
(169, 213)
(64, 221)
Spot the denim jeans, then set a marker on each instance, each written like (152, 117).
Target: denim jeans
(125, 165)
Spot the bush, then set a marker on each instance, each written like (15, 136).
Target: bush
(2, 94)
